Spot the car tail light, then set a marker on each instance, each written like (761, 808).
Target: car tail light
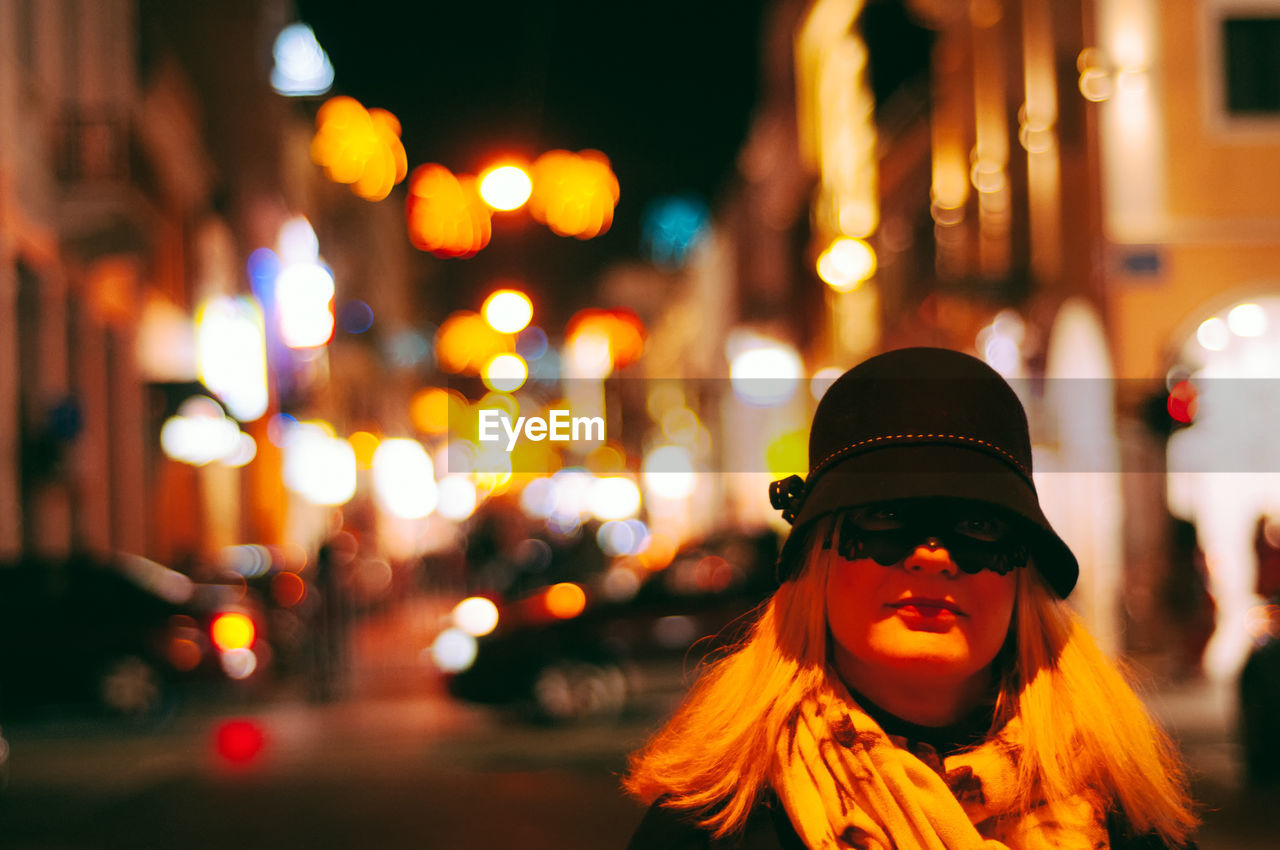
(232, 630)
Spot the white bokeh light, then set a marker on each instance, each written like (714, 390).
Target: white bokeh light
(1213, 334)
(614, 497)
(456, 497)
(404, 478)
(667, 472)
(476, 615)
(1247, 320)
(319, 466)
(453, 650)
(764, 372)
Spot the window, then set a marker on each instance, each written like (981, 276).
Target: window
(1251, 54)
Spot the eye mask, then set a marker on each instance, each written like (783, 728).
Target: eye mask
(975, 538)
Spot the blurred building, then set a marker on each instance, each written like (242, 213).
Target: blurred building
(144, 159)
(1078, 193)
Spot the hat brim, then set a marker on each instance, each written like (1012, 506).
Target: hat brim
(939, 471)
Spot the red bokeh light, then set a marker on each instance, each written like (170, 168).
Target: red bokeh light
(239, 741)
(1182, 403)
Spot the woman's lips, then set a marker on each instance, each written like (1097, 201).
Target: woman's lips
(928, 608)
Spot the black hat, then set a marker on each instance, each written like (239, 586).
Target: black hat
(921, 423)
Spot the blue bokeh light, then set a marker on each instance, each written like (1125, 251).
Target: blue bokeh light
(531, 343)
(672, 228)
(355, 317)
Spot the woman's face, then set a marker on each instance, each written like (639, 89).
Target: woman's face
(921, 616)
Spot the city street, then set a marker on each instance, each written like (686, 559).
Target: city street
(412, 771)
(408, 767)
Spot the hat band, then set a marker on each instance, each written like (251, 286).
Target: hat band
(957, 439)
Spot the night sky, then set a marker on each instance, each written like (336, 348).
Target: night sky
(665, 88)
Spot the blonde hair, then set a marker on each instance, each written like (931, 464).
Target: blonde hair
(1085, 730)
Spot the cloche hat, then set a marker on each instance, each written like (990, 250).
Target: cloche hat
(921, 423)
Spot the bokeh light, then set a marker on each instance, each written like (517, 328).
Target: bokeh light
(788, 454)
(445, 214)
(531, 343)
(457, 497)
(822, 381)
(614, 497)
(615, 338)
(465, 342)
(667, 472)
(476, 615)
(200, 433)
(1247, 320)
(355, 317)
(506, 187)
(231, 354)
(762, 372)
(565, 600)
(431, 409)
(359, 146)
(301, 66)
(846, 263)
(319, 466)
(505, 373)
(507, 311)
(404, 478)
(304, 302)
(238, 741)
(453, 650)
(363, 445)
(1213, 334)
(574, 194)
(288, 589)
(672, 228)
(232, 630)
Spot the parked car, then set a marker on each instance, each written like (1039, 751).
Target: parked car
(119, 637)
(567, 665)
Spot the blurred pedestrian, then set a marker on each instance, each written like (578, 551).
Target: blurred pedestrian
(1260, 677)
(917, 680)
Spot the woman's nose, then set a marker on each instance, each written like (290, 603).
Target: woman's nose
(930, 556)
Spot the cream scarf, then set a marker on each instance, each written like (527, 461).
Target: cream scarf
(846, 784)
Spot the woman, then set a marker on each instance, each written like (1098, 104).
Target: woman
(917, 680)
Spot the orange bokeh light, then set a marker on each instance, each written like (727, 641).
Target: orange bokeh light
(288, 589)
(431, 408)
(660, 552)
(445, 213)
(364, 444)
(620, 326)
(574, 193)
(465, 342)
(232, 630)
(565, 600)
(359, 146)
(184, 654)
